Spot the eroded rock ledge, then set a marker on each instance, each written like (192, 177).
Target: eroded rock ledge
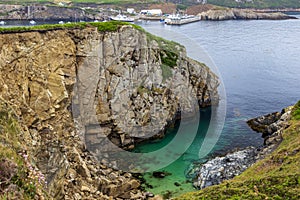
(217, 170)
(71, 88)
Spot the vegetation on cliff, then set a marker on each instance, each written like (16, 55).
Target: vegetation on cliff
(169, 49)
(101, 26)
(19, 178)
(275, 177)
(296, 111)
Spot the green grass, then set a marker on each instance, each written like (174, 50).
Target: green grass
(164, 44)
(102, 27)
(275, 177)
(169, 52)
(169, 58)
(296, 111)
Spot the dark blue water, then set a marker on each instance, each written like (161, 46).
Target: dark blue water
(259, 64)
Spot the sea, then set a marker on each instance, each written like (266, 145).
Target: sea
(258, 64)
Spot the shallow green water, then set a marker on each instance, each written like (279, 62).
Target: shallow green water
(176, 182)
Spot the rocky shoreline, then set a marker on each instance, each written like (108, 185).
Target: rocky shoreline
(216, 170)
(50, 12)
(241, 14)
(88, 12)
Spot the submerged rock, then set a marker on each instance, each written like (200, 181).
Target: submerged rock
(177, 184)
(160, 174)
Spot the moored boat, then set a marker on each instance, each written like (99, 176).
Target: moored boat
(32, 22)
(122, 18)
(177, 19)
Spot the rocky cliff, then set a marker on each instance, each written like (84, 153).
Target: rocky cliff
(226, 167)
(71, 89)
(236, 14)
(274, 168)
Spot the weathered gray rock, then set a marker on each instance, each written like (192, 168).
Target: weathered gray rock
(218, 169)
(74, 88)
(229, 14)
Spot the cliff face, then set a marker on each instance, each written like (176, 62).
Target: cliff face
(72, 88)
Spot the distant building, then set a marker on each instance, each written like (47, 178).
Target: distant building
(153, 12)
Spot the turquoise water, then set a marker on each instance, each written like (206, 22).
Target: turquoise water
(176, 182)
(258, 62)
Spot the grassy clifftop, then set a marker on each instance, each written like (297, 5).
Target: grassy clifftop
(102, 27)
(275, 177)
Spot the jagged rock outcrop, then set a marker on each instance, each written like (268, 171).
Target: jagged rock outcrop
(271, 126)
(216, 170)
(65, 84)
(229, 14)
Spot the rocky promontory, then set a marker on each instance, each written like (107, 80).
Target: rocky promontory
(221, 13)
(72, 86)
(226, 167)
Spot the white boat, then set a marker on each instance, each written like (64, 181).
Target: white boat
(2, 22)
(122, 18)
(177, 19)
(32, 22)
(61, 22)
